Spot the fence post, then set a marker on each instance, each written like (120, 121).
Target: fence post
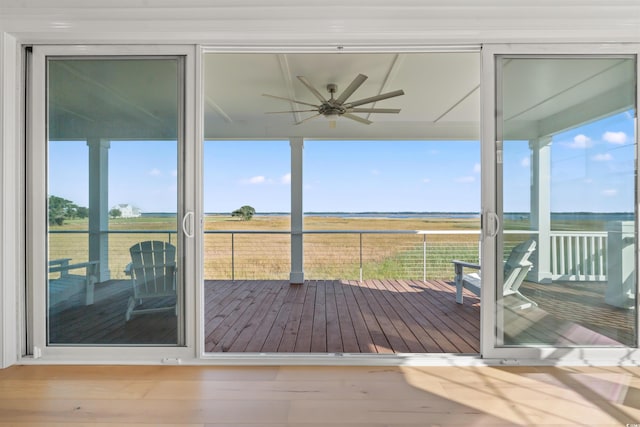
(233, 261)
(424, 258)
(360, 257)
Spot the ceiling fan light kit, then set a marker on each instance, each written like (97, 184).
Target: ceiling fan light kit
(333, 108)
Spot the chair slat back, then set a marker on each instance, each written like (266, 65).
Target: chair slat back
(518, 265)
(153, 268)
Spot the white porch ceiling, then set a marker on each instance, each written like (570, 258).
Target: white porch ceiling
(441, 94)
(441, 101)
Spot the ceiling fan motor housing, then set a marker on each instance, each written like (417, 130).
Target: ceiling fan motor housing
(329, 109)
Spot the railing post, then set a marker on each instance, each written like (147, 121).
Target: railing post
(424, 258)
(233, 261)
(360, 257)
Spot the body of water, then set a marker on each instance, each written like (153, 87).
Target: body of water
(555, 216)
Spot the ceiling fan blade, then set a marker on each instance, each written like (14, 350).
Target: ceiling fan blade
(312, 89)
(373, 110)
(374, 98)
(290, 100)
(309, 118)
(356, 118)
(290, 111)
(355, 84)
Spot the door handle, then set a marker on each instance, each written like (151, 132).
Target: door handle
(185, 223)
(495, 219)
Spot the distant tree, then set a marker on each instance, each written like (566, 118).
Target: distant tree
(61, 209)
(82, 212)
(245, 213)
(115, 213)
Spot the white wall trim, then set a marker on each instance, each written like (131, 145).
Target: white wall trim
(11, 259)
(329, 23)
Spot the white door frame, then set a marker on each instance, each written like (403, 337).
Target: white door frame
(36, 214)
(192, 202)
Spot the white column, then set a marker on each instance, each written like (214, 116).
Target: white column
(541, 208)
(297, 255)
(621, 280)
(98, 205)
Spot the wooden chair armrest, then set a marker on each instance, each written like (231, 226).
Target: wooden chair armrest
(457, 262)
(66, 267)
(459, 277)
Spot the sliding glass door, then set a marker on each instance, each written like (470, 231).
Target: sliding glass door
(109, 218)
(564, 229)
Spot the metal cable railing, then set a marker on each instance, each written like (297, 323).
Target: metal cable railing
(328, 254)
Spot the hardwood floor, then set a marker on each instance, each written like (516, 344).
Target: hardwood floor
(105, 396)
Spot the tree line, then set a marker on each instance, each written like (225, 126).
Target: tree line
(61, 209)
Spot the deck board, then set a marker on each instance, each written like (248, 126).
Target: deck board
(303, 338)
(288, 342)
(346, 316)
(319, 328)
(334, 331)
(379, 342)
(345, 322)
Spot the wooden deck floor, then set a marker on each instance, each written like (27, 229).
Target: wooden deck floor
(339, 316)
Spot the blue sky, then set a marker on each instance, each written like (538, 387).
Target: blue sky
(592, 170)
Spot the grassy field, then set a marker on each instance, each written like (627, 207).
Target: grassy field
(267, 255)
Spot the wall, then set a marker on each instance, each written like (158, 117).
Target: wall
(235, 24)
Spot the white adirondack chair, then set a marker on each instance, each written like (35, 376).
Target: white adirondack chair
(516, 268)
(153, 276)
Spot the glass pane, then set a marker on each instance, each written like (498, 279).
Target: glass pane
(112, 201)
(568, 248)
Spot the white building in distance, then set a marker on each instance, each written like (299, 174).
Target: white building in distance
(128, 211)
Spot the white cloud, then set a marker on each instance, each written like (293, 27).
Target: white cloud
(255, 180)
(615, 137)
(155, 172)
(466, 179)
(286, 178)
(476, 168)
(580, 141)
(375, 172)
(610, 192)
(426, 180)
(525, 162)
(174, 173)
(603, 157)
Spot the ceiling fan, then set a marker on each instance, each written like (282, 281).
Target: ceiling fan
(333, 108)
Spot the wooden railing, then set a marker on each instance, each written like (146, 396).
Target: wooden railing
(579, 256)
